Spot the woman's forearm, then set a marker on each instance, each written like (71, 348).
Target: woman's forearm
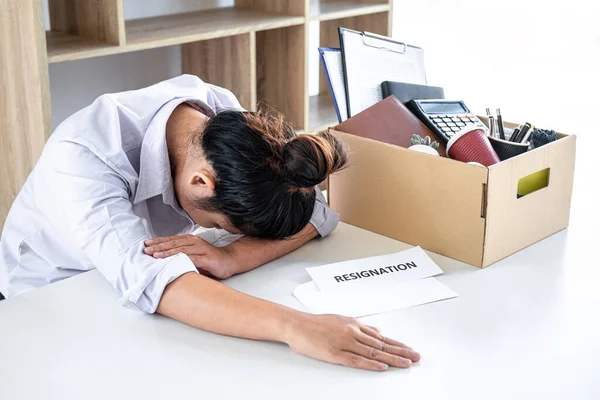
(209, 305)
(250, 253)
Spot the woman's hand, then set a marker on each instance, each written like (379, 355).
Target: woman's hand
(346, 341)
(218, 262)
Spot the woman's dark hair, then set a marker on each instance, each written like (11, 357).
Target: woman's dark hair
(265, 174)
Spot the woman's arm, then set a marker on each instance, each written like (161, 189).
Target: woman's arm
(240, 256)
(246, 253)
(207, 304)
(250, 253)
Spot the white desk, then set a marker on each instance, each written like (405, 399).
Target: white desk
(524, 328)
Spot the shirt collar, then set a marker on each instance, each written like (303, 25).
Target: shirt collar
(155, 176)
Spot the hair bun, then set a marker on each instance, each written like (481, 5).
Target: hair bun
(308, 160)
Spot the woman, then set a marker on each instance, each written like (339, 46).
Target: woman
(122, 183)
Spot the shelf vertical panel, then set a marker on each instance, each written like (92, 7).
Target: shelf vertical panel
(329, 37)
(282, 72)
(390, 26)
(99, 20)
(25, 119)
(253, 87)
(228, 62)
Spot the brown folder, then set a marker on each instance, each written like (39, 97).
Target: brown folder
(388, 121)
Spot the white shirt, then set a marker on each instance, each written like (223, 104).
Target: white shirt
(103, 186)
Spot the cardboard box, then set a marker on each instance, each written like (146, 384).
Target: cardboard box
(462, 211)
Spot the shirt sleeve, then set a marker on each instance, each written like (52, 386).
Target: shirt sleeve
(324, 219)
(95, 204)
(222, 99)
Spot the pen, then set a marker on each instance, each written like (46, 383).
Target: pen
(493, 132)
(528, 134)
(523, 132)
(491, 123)
(515, 133)
(500, 124)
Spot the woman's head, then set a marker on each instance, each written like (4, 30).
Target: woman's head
(262, 175)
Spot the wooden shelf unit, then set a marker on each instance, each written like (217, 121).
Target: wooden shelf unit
(257, 48)
(150, 33)
(328, 10)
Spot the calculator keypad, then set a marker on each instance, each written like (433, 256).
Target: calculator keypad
(450, 124)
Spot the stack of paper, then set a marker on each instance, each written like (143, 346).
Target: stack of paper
(356, 70)
(373, 285)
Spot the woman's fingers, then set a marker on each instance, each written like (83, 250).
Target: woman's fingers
(158, 240)
(338, 339)
(168, 239)
(174, 242)
(378, 355)
(189, 250)
(354, 360)
(387, 346)
(376, 333)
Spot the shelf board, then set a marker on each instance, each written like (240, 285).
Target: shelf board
(192, 27)
(63, 47)
(148, 33)
(321, 113)
(343, 9)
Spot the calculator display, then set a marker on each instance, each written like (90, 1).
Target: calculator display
(443, 107)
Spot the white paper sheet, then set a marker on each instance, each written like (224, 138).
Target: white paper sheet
(375, 273)
(370, 61)
(335, 76)
(407, 294)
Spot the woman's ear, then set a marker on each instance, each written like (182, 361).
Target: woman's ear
(202, 181)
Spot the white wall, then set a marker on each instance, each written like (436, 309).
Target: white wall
(546, 49)
(537, 60)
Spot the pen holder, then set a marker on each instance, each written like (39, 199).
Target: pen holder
(507, 149)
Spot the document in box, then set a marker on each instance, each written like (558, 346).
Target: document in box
(334, 72)
(402, 295)
(374, 273)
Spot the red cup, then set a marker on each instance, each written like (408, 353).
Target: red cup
(471, 144)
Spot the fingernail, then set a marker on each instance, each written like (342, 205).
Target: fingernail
(147, 250)
(158, 255)
(384, 367)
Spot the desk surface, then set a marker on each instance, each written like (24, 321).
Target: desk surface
(526, 327)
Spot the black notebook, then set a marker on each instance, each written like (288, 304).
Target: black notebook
(406, 92)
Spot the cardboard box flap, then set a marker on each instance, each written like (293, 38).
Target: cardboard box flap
(513, 222)
(438, 204)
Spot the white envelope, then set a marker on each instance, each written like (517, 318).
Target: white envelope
(352, 304)
(375, 273)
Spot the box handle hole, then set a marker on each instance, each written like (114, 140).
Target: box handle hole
(532, 183)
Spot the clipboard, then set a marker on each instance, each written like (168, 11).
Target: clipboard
(369, 59)
(331, 58)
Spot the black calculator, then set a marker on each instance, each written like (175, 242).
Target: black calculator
(444, 117)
